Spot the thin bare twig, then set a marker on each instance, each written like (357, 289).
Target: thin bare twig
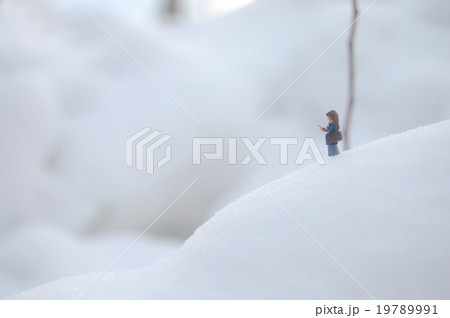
(351, 83)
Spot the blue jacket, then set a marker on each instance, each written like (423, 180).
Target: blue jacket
(330, 129)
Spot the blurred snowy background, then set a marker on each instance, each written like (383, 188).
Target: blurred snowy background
(70, 97)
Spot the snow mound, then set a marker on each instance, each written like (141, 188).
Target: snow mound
(380, 210)
(38, 253)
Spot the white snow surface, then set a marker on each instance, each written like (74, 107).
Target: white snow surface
(35, 254)
(378, 212)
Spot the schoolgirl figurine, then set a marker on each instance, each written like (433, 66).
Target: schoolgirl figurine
(333, 135)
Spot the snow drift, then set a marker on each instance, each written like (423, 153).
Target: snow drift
(379, 210)
(39, 253)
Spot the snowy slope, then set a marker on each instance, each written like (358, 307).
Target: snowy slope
(36, 254)
(380, 210)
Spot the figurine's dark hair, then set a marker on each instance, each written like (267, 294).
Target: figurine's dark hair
(334, 116)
